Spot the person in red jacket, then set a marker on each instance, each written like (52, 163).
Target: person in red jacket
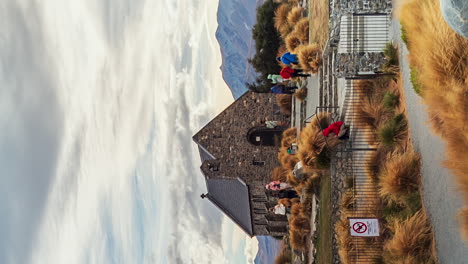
(288, 73)
(337, 129)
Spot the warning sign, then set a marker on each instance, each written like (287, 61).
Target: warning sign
(368, 227)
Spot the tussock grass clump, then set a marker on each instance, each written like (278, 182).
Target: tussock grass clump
(284, 257)
(294, 16)
(293, 41)
(375, 163)
(279, 174)
(281, 19)
(400, 175)
(393, 131)
(412, 240)
(438, 55)
(302, 29)
(284, 101)
(310, 57)
(301, 94)
(311, 144)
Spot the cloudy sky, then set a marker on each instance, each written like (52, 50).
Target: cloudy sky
(98, 103)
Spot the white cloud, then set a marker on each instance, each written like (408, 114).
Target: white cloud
(97, 112)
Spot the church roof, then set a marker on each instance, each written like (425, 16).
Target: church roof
(232, 197)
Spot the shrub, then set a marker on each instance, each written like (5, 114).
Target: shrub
(302, 29)
(279, 174)
(293, 41)
(412, 240)
(284, 101)
(301, 94)
(294, 16)
(404, 37)
(400, 175)
(281, 19)
(310, 57)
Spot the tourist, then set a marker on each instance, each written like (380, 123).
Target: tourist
(273, 124)
(290, 194)
(337, 129)
(282, 89)
(277, 185)
(279, 209)
(288, 58)
(288, 73)
(275, 78)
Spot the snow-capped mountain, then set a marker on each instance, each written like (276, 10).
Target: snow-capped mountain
(235, 21)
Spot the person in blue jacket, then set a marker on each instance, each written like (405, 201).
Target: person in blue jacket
(281, 89)
(288, 58)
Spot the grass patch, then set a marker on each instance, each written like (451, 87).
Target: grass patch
(324, 242)
(404, 36)
(318, 15)
(415, 81)
(390, 100)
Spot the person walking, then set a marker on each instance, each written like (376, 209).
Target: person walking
(275, 78)
(337, 129)
(282, 89)
(288, 58)
(288, 73)
(277, 185)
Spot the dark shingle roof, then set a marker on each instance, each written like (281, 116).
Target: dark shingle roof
(232, 197)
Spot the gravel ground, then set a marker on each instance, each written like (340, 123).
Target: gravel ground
(439, 189)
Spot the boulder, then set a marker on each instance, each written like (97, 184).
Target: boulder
(455, 12)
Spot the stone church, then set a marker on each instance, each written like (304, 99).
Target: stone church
(238, 153)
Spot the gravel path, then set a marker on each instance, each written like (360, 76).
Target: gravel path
(439, 190)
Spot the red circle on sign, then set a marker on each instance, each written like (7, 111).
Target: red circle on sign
(359, 227)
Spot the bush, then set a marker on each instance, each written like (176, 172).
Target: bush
(284, 101)
(400, 176)
(301, 94)
(310, 57)
(412, 240)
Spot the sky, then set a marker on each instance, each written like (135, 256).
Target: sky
(99, 100)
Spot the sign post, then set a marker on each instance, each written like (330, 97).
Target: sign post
(365, 227)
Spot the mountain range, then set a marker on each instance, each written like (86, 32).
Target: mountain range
(234, 34)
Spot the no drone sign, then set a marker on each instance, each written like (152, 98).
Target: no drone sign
(364, 227)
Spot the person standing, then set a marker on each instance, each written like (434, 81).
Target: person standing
(275, 78)
(288, 58)
(281, 89)
(288, 73)
(337, 129)
(277, 185)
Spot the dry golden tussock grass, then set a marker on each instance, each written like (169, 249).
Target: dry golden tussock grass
(302, 29)
(284, 101)
(294, 16)
(375, 163)
(412, 240)
(293, 41)
(439, 55)
(311, 143)
(301, 94)
(400, 175)
(310, 57)
(281, 19)
(318, 14)
(279, 174)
